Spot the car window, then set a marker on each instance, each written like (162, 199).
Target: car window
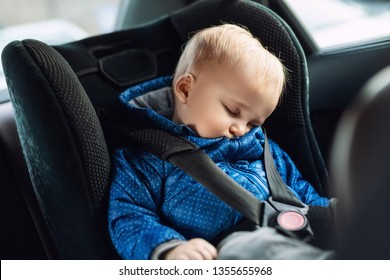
(339, 23)
(53, 22)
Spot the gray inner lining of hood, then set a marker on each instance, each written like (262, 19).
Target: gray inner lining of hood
(161, 101)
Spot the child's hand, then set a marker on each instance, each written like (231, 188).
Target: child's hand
(194, 249)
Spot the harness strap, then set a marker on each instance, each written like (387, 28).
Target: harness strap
(279, 191)
(191, 159)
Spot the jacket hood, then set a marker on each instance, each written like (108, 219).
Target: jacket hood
(153, 100)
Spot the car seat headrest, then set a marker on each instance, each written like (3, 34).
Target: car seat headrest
(273, 33)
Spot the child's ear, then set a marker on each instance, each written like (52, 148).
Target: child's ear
(182, 87)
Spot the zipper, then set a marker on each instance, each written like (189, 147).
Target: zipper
(253, 177)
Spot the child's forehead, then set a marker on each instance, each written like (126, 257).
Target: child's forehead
(244, 75)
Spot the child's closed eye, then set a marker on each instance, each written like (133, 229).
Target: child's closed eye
(231, 110)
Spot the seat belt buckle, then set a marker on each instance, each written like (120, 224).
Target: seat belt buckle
(286, 219)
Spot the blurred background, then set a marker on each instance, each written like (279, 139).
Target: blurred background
(53, 22)
(93, 16)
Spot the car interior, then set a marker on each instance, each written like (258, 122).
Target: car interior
(359, 168)
(57, 131)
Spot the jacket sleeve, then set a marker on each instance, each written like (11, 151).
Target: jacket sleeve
(293, 178)
(135, 195)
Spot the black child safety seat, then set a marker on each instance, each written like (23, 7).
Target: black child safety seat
(65, 100)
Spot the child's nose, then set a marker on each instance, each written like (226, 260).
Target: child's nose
(237, 130)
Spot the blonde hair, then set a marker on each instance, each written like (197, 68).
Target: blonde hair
(230, 44)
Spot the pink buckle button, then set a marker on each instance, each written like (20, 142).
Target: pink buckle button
(291, 220)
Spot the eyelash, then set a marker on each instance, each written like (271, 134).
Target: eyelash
(231, 111)
(235, 114)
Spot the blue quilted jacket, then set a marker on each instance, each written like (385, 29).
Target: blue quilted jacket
(152, 201)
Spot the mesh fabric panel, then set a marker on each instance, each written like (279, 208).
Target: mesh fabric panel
(79, 113)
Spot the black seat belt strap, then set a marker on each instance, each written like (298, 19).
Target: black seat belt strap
(279, 190)
(197, 164)
(192, 160)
